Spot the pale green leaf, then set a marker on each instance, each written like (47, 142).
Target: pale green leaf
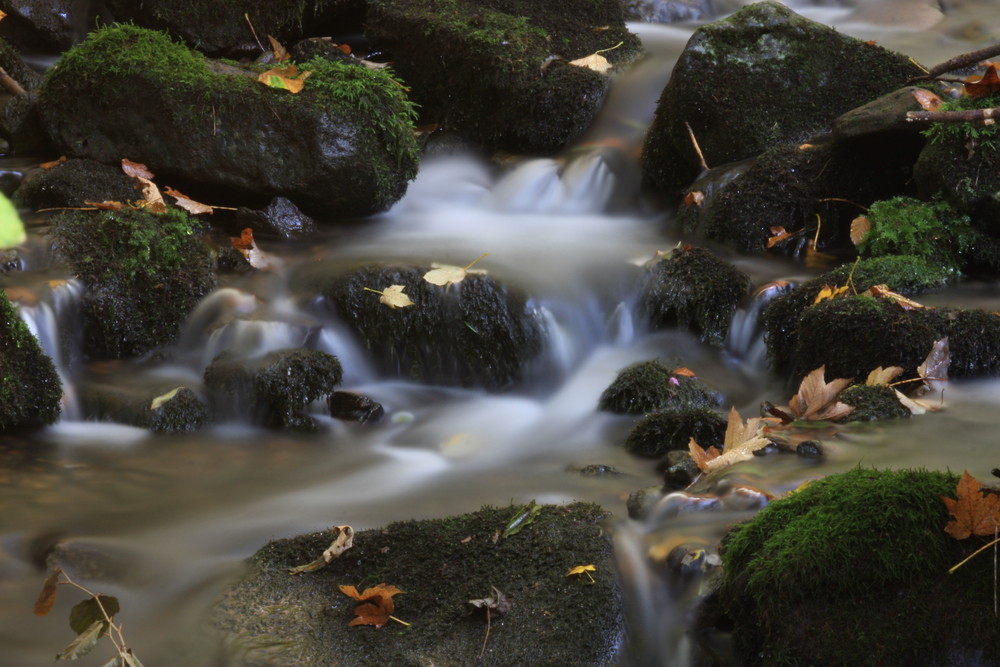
(83, 643)
(11, 229)
(164, 398)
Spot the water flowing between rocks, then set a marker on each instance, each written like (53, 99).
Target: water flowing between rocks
(169, 518)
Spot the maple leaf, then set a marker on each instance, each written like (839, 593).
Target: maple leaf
(287, 78)
(393, 296)
(974, 512)
(983, 86)
(376, 604)
(701, 457)
(816, 399)
(446, 274)
(883, 376)
(742, 440)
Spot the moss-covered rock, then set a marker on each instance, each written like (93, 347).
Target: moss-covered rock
(780, 317)
(344, 144)
(274, 389)
(765, 75)
(484, 69)
(696, 291)
(72, 183)
(440, 565)
(650, 386)
(853, 569)
(476, 333)
(166, 408)
(30, 389)
(872, 403)
(143, 274)
(660, 432)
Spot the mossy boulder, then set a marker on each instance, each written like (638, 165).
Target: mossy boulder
(30, 389)
(143, 274)
(789, 185)
(763, 76)
(780, 317)
(693, 290)
(476, 333)
(219, 27)
(344, 144)
(661, 432)
(484, 68)
(274, 389)
(440, 565)
(853, 569)
(72, 183)
(872, 403)
(165, 408)
(650, 386)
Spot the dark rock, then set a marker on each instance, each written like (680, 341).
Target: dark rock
(281, 217)
(492, 86)
(599, 470)
(20, 121)
(30, 389)
(49, 24)
(696, 291)
(884, 114)
(812, 449)
(476, 333)
(344, 144)
(660, 432)
(967, 178)
(649, 385)
(274, 389)
(13, 64)
(10, 260)
(640, 503)
(872, 403)
(72, 183)
(143, 274)
(853, 569)
(353, 407)
(164, 409)
(440, 565)
(763, 76)
(680, 469)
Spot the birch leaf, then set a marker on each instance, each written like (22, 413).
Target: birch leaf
(594, 61)
(11, 228)
(444, 275)
(83, 643)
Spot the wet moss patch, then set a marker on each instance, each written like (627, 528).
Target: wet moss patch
(30, 389)
(648, 386)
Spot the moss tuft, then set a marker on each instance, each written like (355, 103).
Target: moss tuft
(30, 389)
(872, 403)
(931, 230)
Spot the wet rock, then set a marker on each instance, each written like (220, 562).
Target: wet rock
(680, 470)
(72, 183)
(273, 390)
(440, 565)
(353, 407)
(660, 432)
(689, 560)
(498, 85)
(597, 470)
(204, 26)
(763, 76)
(143, 274)
(872, 403)
(20, 122)
(780, 317)
(667, 11)
(640, 503)
(649, 386)
(281, 217)
(853, 569)
(49, 24)
(167, 408)
(10, 260)
(343, 145)
(884, 114)
(30, 389)
(813, 449)
(696, 291)
(476, 333)
(14, 65)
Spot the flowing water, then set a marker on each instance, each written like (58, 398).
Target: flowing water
(166, 520)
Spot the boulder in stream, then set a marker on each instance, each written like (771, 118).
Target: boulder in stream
(30, 389)
(344, 145)
(648, 386)
(440, 565)
(73, 183)
(765, 75)
(498, 72)
(166, 408)
(853, 569)
(143, 274)
(661, 432)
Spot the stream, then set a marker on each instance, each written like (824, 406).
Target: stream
(169, 518)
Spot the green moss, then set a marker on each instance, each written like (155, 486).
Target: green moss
(649, 385)
(984, 137)
(852, 569)
(872, 403)
(907, 226)
(30, 389)
(661, 432)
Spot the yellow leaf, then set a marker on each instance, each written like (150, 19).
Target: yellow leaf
(580, 569)
(164, 398)
(830, 292)
(446, 274)
(594, 61)
(2, 16)
(393, 296)
(860, 227)
(287, 78)
(280, 52)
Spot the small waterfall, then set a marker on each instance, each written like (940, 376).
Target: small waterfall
(745, 345)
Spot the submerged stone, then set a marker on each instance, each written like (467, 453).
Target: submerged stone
(72, 183)
(497, 72)
(343, 145)
(30, 389)
(649, 386)
(281, 217)
(696, 291)
(872, 403)
(765, 75)
(661, 432)
(853, 569)
(167, 408)
(439, 564)
(143, 274)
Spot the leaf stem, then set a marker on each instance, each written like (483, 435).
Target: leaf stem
(476, 260)
(974, 553)
(398, 620)
(373, 290)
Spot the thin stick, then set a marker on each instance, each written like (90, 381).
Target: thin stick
(974, 553)
(697, 148)
(9, 84)
(960, 61)
(257, 39)
(985, 116)
(486, 638)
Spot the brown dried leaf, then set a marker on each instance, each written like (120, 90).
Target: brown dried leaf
(188, 204)
(287, 78)
(49, 165)
(47, 598)
(883, 376)
(136, 169)
(883, 292)
(107, 205)
(700, 456)
(816, 399)
(934, 370)
(281, 54)
(983, 86)
(860, 227)
(778, 234)
(376, 604)
(694, 198)
(926, 99)
(974, 512)
(684, 371)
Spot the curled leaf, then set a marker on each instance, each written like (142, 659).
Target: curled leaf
(343, 539)
(522, 518)
(498, 602)
(376, 604)
(47, 598)
(934, 370)
(926, 99)
(287, 78)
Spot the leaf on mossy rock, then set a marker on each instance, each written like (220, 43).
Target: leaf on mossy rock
(816, 399)
(286, 78)
(974, 512)
(392, 296)
(445, 275)
(376, 606)
(499, 603)
(343, 539)
(883, 376)
(281, 54)
(595, 61)
(926, 99)
(191, 206)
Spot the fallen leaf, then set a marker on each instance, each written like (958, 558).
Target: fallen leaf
(343, 539)
(286, 78)
(393, 296)
(376, 604)
(151, 197)
(983, 86)
(2, 15)
(164, 398)
(934, 370)
(594, 61)
(522, 517)
(694, 198)
(974, 512)
(47, 598)
(742, 440)
(816, 399)
(830, 292)
(883, 376)
(860, 227)
(926, 99)
(883, 292)
(684, 372)
(803, 147)
(188, 204)
(107, 205)
(581, 569)
(281, 54)
(778, 234)
(136, 169)
(701, 457)
(498, 602)
(915, 405)
(256, 257)
(49, 165)
(446, 274)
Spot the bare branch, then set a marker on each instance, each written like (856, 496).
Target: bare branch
(984, 116)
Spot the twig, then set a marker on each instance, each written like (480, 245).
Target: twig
(960, 61)
(974, 553)
(985, 116)
(9, 84)
(257, 39)
(697, 148)
(486, 638)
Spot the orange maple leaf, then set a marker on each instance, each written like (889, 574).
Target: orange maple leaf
(975, 513)
(700, 456)
(376, 604)
(985, 85)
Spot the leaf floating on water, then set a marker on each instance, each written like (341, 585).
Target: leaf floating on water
(522, 518)
(342, 541)
(444, 275)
